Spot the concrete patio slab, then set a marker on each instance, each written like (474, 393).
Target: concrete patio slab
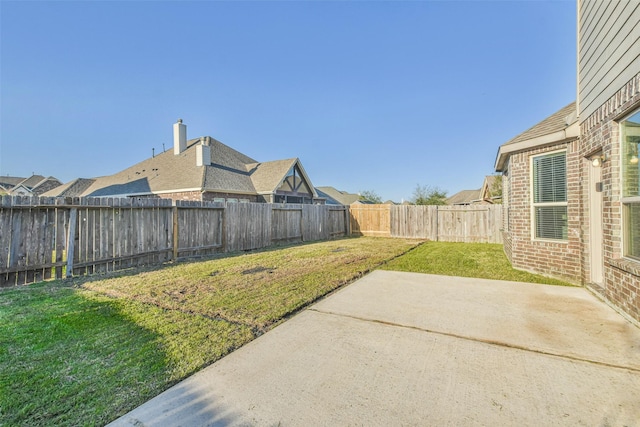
(559, 320)
(412, 349)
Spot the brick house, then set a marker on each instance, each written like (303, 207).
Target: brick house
(488, 194)
(465, 197)
(491, 190)
(201, 169)
(571, 183)
(542, 232)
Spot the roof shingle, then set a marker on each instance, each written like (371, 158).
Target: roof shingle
(558, 121)
(230, 171)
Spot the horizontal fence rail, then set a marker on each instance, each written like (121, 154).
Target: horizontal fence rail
(474, 223)
(43, 238)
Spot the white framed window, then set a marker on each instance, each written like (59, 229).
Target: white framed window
(630, 134)
(549, 196)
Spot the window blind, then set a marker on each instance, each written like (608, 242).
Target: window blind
(550, 196)
(550, 178)
(551, 222)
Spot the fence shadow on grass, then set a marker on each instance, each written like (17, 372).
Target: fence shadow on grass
(72, 357)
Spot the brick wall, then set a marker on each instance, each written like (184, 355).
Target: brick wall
(211, 196)
(208, 196)
(185, 195)
(561, 259)
(601, 132)
(506, 219)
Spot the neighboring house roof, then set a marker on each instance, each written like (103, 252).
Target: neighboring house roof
(337, 197)
(561, 126)
(488, 187)
(34, 185)
(229, 171)
(168, 172)
(464, 197)
(32, 181)
(20, 190)
(267, 177)
(73, 188)
(45, 185)
(8, 182)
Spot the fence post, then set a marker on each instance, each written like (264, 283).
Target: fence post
(176, 240)
(302, 223)
(223, 228)
(437, 225)
(71, 239)
(347, 221)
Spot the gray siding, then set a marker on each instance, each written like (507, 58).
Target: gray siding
(608, 50)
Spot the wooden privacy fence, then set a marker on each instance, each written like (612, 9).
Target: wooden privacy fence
(42, 238)
(474, 223)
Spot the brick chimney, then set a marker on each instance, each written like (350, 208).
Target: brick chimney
(179, 137)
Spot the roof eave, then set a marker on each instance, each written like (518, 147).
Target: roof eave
(565, 135)
(243, 192)
(145, 193)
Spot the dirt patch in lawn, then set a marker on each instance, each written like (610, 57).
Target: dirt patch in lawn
(256, 289)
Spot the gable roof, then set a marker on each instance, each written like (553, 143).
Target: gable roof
(32, 181)
(9, 182)
(464, 197)
(20, 190)
(73, 188)
(268, 176)
(337, 197)
(46, 183)
(166, 172)
(561, 126)
(34, 185)
(486, 192)
(229, 171)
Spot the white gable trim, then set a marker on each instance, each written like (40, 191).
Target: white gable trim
(304, 176)
(566, 135)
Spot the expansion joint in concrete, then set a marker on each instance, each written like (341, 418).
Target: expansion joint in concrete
(479, 340)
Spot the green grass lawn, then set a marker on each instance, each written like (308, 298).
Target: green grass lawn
(482, 260)
(85, 351)
(75, 357)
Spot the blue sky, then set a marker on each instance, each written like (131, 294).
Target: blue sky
(370, 95)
